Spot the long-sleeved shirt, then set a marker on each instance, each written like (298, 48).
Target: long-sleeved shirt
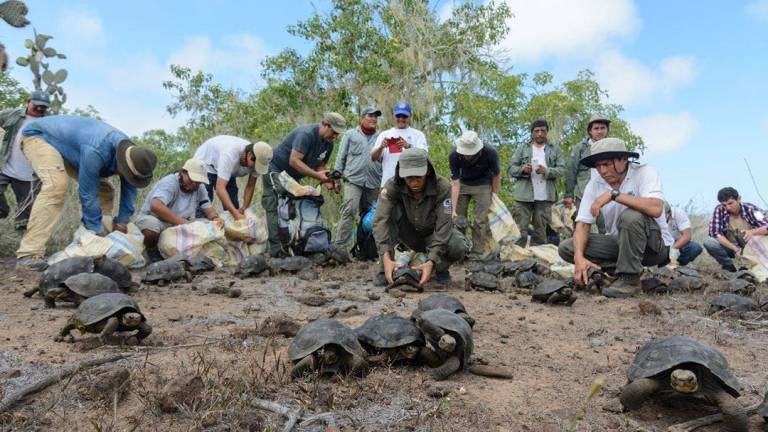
(354, 159)
(522, 190)
(89, 146)
(721, 219)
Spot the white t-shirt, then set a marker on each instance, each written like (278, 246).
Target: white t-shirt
(221, 155)
(538, 157)
(414, 137)
(641, 181)
(678, 223)
(18, 166)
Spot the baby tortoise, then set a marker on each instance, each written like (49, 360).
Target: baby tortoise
(553, 291)
(107, 314)
(79, 287)
(406, 279)
(442, 301)
(168, 270)
(58, 272)
(450, 336)
(394, 339)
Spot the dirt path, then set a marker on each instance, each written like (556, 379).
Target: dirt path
(555, 353)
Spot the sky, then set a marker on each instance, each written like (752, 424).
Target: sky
(691, 75)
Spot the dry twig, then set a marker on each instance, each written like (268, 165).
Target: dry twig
(293, 415)
(694, 424)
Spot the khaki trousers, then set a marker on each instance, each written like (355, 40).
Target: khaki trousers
(52, 171)
(355, 198)
(481, 194)
(538, 214)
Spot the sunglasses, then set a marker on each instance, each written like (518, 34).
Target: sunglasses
(401, 116)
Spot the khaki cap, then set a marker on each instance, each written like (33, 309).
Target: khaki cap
(598, 118)
(195, 168)
(336, 122)
(607, 148)
(468, 144)
(262, 153)
(413, 163)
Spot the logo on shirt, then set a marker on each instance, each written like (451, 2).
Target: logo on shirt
(322, 155)
(447, 208)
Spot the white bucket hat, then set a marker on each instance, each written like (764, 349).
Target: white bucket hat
(468, 144)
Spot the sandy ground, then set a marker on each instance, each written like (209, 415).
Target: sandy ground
(556, 353)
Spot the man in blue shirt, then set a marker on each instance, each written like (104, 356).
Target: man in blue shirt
(89, 151)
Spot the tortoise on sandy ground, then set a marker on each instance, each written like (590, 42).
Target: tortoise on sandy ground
(741, 287)
(196, 264)
(114, 270)
(511, 268)
(482, 281)
(526, 279)
(58, 272)
(654, 285)
(79, 287)
(553, 291)
(406, 279)
(394, 339)
(729, 302)
(442, 301)
(451, 338)
(596, 281)
(687, 284)
(292, 264)
(745, 275)
(328, 346)
(681, 366)
(687, 271)
(168, 270)
(107, 314)
(253, 265)
(336, 255)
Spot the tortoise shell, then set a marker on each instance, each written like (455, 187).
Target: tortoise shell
(292, 264)
(91, 284)
(103, 306)
(58, 272)
(114, 270)
(389, 331)
(252, 265)
(320, 333)
(454, 325)
(483, 280)
(441, 301)
(664, 354)
(732, 302)
(526, 279)
(685, 271)
(165, 270)
(548, 286)
(512, 267)
(406, 276)
(687, 283)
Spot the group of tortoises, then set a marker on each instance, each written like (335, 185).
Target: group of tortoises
(438, 335)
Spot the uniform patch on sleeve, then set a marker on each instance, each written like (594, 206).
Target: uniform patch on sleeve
(447, 208)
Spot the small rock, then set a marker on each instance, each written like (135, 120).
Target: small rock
(397, 293)
(440, 389)
(600, 299)
(348, 311)
(373, 296)
(278, 324)
(512, 296)
(183, 390)
(312, 299)
(235, 292)
(333, 285)
(648, 308)
(174, 318)
(352, 297)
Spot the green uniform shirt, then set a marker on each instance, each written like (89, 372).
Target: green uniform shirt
(430, 215)
(10, 121)
(577, 175)
(523, 186)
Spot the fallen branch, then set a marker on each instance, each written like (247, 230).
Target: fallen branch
(170, 347)
(326, 417)
(694, 424)
(68, 371)
(293, 415)
(753, 323)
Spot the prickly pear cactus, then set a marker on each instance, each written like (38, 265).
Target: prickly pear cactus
(35, 61)
(14, 13)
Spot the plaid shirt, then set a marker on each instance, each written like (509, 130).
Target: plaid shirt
(721, 220)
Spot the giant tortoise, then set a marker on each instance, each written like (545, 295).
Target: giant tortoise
(328, 346)
(442, 301)
(450, 336)
(106, 314)
(396, 339)
(79, 287)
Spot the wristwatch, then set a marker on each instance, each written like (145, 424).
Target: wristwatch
(614, 193)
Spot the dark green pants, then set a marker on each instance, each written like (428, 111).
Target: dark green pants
(537, 214)
(638, 244)
(269, 202)
(481, 231)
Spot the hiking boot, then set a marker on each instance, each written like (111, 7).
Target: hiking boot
(443, 277)
(154, 255)
(32, 262)
(730, 267)
(380, 280)
(627, 285)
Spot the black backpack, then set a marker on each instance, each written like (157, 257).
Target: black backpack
(365, 245)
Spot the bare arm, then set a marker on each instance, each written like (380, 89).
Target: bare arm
(685, 237)
(226, 202)
(455, 186)
(164, 213)
(378, 150)
(581, 264)
(296, 161)
(652, 207)
(496, 183)
(727, 243)
(248, 193)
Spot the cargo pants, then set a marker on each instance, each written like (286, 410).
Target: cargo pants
(538, 214)
(355, 198)
(481, 231)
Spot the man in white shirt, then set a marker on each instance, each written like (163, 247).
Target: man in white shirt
(630, 198)
(683, 250)
(391, 143)
(15, 169)
(227, 157)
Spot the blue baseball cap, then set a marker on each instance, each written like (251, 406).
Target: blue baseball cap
(402, 107)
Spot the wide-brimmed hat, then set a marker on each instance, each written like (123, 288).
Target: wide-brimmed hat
(262, 152)
(414, 162)
(607, 148)
(468, 144)
(135, 163)
(195, 169)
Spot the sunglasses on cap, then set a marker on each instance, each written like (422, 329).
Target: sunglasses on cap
(402, 116)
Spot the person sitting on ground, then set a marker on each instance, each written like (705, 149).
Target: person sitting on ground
(414, 209)
(683, 250)
(90, 151)
(630, 198)
(173, 201)
(733, 224)
(227, 157)
(15, 169)
(475, 175)
(535, 169)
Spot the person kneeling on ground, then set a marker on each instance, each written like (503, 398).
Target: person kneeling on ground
(732, 226)
(630, 199)
(173, 201)
(683, 250)
(414, 209)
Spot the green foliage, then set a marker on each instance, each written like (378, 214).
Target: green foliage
(36, 62)
(12, 94)
(170, 150)
(14, 12)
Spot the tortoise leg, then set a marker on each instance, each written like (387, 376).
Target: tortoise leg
(357, 365)
(30, 292)
(109, 329)
(734, 415)
(49, 303)
(571, 300)
(188, 277)
(554, 298)
(451, 365)
(635, 393)
(144, 330)
(65, 334)
(307, 364)
(427, 356)
(467, 318)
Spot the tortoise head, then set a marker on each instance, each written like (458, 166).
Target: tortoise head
(328, 355)
(567, 291)
(409, 351)
(131, 319)
(684, 381)
(447, 343)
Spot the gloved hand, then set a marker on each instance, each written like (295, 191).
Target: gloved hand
(674, 254)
